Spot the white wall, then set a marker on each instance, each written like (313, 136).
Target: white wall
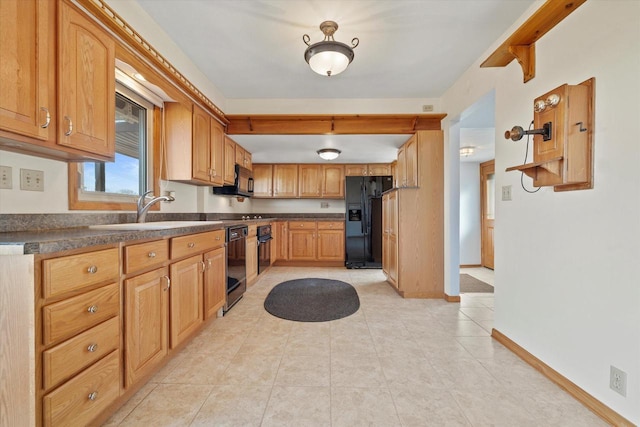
(298, 206)
(331, 106)
(470, 213)
(566, 276)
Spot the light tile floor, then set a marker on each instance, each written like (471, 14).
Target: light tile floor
(395, 362)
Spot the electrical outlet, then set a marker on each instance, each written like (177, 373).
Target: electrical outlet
(31, 180)
(506, 193)
(618, 381)
(324, 205)
(6, 177)
(427, 108)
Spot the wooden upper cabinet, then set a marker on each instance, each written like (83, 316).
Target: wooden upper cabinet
(243, 157)
(309, 181)
(285, 181)
(332, 181)
(411, 162)
(27, 103)
(217, 152)
(373, 169)
(401, 166)
(262, 180)
(201, 145)
(86, 84)
(229, 171)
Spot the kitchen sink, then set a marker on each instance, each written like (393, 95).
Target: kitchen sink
(159, 225)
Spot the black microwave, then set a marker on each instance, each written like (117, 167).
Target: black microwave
(242, 185)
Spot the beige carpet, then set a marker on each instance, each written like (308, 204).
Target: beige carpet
(471, 284)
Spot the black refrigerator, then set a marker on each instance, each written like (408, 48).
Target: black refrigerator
(363, 233)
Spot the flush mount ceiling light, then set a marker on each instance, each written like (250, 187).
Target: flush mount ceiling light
(328, 153)
(329, 57)
(467, 151)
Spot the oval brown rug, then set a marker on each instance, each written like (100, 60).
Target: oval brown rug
(312, 300)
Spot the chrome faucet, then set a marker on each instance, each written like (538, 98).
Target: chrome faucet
(143, 209)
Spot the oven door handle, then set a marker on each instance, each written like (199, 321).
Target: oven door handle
(264, 239)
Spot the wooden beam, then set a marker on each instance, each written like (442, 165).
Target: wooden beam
(521, 44)
(384, 124)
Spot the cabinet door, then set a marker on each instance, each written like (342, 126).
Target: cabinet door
(146, 321)
(333, 181)
(201, 145)
(252, 259)
(263, 181)
(309, 181)
(355, 170)
(282, 240)
(285, 181)
(215, 281)
(302, 244)
(330, 245)
(217, 152)
(229, 160)
(379, 169)
(393, 260)
(26, 75)
(411, 165)
(401, 168)
(186, 298)
(248, 160)
(86, 84)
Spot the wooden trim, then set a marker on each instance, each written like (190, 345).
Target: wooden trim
(452, 298)
(486, 238)
(470, 265)
(287, 124)
(286, 263)
(114, 22)
(593, 404)
(521, 44)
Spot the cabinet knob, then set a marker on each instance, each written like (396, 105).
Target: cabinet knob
(92, 309)
(92, 348)
(92, 270)
(93, 396)
(69, 126)
(191, 245)
(217, 237)
(151, 254)
(47, 120)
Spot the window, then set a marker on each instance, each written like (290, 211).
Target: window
(118, 184)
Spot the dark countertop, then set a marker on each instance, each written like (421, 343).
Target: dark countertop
(44, 241)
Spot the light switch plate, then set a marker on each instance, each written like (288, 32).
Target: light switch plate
(506, 193)
(31, 180)
(6, 177)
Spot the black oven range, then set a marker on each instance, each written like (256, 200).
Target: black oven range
(236, 264)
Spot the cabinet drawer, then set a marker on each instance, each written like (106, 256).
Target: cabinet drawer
(219, 237)
(73, 272)
(66, 318)
(330, 225)
(72, 356)
(145, 255)
(78, 401)
(302, 225)
(193, 244)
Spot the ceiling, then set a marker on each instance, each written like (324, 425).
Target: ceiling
(252, 49)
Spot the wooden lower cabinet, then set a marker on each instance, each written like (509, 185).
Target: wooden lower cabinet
(282, 240)
(186, 298)
(252, 259)
(215, 281)
(146, 301)
(315, 241)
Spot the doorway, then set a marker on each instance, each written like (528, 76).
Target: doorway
(487, 212)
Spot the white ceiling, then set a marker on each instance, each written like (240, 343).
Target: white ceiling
(408, 49)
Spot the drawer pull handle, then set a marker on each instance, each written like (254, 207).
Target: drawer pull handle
(92, 270)
(93, 309)
(191, 245)
(152, 254)
(93, 396)
(92, 348)
(168, 283)
(217, 237)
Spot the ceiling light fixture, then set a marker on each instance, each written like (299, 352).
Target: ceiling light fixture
(329, 57)
(328, 153)
(467, 151)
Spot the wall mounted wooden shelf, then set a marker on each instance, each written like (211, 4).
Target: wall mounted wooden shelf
(521, 44)
(565, 160)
